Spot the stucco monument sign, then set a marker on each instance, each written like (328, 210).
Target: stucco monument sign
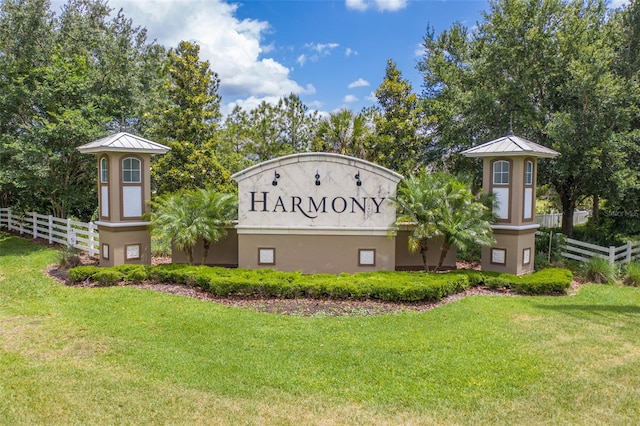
(316, 212)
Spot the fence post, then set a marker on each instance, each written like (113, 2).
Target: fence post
(50, 229)
(91, 236)
(9, 219)
(35, 225)
(71, 237)
(629, 251)
(612, 255)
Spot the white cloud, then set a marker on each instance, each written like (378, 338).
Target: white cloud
(350, 52)
(357, 5)
(232, 46)
(379, 5)
(318, 50)
(390, 5)
(322, 48)
(358, 83)
(348, 99)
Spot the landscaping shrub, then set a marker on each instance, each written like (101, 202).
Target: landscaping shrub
(381, 285)
(599, 270)
(632, 274)
(547, 281)
(82, 273)
(133, 273)
(107, 276)
(69, 257)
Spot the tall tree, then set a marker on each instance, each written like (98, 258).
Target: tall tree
(26, 32)
(191, 110)
(297, 123)
(187, 121)
(264, 134)
(399, 125)
(58, 93)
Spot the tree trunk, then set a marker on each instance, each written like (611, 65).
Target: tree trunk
(205, 253)
(423, 252)
(189, 252)
(443, 253)
(567, 218)
(568, 200)
(595, 216)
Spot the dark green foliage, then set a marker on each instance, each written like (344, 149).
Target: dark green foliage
(602, 234)
(66, 80)
(82, 273)
(381, 285)
(132, 273)
(106, 276)
(547, 281)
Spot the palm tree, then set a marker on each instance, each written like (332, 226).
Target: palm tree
(185, 217)
(342, 132)
(218, 211)
(440, 205)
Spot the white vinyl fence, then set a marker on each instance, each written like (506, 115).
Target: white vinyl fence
(80, 235)
(554, 220)
(578, 250)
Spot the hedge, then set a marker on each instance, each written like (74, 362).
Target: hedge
(380, 285)
(109, 276)
(547, 281)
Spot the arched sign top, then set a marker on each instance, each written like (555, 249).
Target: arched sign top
(316, 190)
(314, 157)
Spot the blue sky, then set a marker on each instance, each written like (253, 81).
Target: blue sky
(332, 54)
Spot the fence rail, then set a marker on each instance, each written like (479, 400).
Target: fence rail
(584, 252)
(80, 235)
(554, 220)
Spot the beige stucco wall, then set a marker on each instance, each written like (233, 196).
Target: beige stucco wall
(222, 253)
(514, 243)
(405, 260)
(317, 253)
(118, 239)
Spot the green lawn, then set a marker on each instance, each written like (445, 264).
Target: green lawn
(124, 355)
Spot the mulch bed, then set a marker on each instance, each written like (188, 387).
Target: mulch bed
(297, 307)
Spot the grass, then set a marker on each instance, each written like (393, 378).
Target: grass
(124, 355)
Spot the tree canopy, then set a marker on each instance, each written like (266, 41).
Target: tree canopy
(549, 69)
(563, 73)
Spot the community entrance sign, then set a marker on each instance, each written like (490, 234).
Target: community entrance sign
(316, 212)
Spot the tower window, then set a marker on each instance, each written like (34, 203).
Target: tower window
(131, 170)
(104, 170)
(528, 173)
(501, 172)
